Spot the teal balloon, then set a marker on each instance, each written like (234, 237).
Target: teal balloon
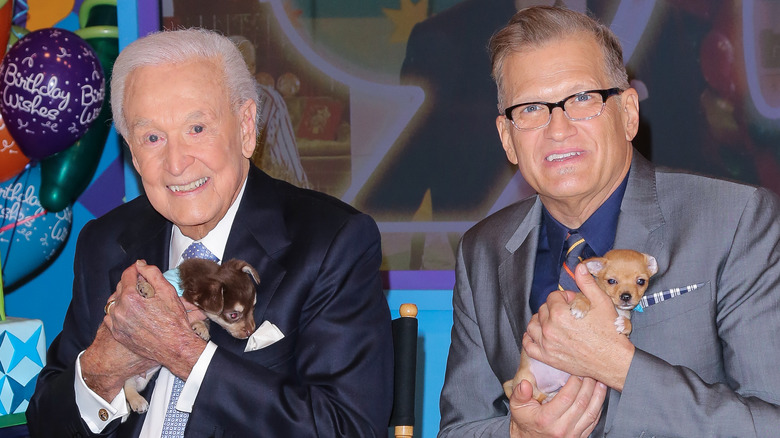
(66, 174)
(30, 237)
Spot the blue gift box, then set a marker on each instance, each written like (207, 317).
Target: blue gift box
(22, 356)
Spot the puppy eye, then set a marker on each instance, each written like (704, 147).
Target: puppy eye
(233, 316)
(641, 281)
(612, 281)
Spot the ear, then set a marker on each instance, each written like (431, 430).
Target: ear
(252, 272)
(504, 127)
(247, 114)
(596, 265)
(208, 296)
(652, 265)
(630, 102)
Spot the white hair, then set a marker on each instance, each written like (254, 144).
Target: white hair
(175, 47)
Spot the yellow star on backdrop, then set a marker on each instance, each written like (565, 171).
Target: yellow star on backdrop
(405, 18)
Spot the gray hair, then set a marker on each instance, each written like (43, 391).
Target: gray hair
(533, 27)
(178, 46)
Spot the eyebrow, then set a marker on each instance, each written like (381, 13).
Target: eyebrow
(139, 123)
(195, 115)
(144, 122)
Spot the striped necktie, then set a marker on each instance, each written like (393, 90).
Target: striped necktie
(574, 246)
(176, 421)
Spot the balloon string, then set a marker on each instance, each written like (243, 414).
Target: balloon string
(26, 172)
(23, 221)
(22, 7)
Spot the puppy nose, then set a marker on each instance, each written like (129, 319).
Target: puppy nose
(625, 296)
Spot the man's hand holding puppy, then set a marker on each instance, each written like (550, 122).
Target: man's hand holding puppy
(139, 333)
(130, 340)
(573, 412)
(106, 363)
(158, 327)
(589, 346)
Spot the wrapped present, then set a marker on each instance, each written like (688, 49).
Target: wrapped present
(22, 356)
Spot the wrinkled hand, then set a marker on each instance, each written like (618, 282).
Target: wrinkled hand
(106, 364)
(193, 312)
(157, 327)
(573, 412)
(590, 346)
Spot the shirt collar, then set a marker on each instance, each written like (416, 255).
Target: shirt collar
(215, 240)
(598, 230)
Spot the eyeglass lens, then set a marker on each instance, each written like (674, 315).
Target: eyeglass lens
(577, 107)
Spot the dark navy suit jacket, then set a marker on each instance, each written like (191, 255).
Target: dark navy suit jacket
(318, 261)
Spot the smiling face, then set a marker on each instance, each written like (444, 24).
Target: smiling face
(573, 165)
(190, 147)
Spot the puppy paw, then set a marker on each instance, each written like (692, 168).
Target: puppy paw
(144, 288)
(578, 309)
(138, 404)
(201, 329)
(580, 306)
(623, 325)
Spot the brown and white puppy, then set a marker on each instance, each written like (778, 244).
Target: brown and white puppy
(623, 274)
(225, 293)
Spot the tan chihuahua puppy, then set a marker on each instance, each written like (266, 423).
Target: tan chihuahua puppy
(225, 293)
(623, 274)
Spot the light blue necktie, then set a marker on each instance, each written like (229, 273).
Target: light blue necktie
(176, 421)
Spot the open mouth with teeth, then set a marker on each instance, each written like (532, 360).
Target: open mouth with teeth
(559, 157)
(188, 187)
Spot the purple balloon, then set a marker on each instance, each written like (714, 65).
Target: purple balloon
(53, 88)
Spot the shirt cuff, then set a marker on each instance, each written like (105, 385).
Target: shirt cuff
(96, 412)
(192, 385)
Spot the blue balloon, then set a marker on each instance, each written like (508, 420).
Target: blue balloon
(30, 236)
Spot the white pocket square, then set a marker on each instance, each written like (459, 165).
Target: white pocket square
(264, 336)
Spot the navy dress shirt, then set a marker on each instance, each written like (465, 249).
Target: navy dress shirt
(599, 233)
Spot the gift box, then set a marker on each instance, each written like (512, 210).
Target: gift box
(22, 356)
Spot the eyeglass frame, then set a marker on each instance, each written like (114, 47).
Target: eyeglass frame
(605, 94)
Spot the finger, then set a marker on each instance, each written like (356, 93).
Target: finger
(588, 285)
(522, 395)
(595, 401)
(107, 307)
(194, 313)
(155, 277)
(531, 348)
(534, 330)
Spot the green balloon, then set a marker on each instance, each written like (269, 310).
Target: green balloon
(16, 33)
(66, 174)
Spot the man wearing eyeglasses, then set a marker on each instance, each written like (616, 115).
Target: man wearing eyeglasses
(703, 355)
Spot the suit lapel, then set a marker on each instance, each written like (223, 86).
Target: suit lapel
(259, 233)
(146, 238)
(640, 227)
(516, 271)
(641, 223)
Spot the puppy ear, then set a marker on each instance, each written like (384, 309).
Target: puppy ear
(208, 296)
(248, 269)
(652, 265)
(596, 265)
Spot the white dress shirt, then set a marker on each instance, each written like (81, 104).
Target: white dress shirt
(98, 413)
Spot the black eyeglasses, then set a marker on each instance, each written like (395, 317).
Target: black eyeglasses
(584, 105)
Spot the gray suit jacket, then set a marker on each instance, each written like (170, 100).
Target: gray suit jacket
(707, 362)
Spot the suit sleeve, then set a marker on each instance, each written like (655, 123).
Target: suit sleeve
(674, 400)
(53, 411)
(338, 379)
(472, 400)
